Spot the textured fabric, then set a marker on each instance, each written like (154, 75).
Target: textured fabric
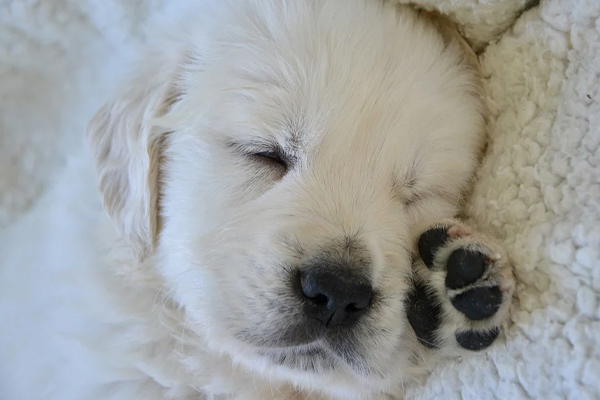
(58, 61)
(481, 21)
(538, 189)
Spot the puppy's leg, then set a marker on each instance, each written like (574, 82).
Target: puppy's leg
(463, 286)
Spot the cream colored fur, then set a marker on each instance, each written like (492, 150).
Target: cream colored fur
(382, 118)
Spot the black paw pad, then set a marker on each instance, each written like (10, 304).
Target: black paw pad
(429, 244)
(465, 267)
(423, 314)
(472, 340)
(479, 303)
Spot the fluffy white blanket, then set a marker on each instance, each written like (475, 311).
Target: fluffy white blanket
(539, 187)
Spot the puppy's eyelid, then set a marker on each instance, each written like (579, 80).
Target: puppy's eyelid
(273, 156)
(406, 191)
(265, 151)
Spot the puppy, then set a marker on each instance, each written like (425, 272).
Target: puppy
(280, 181)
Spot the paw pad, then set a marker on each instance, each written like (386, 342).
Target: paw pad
(472, 284)
(479, 303)
(464, 268)
(423, 313)
(474, 341)
(430, 242)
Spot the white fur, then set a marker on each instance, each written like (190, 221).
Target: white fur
(374, 99)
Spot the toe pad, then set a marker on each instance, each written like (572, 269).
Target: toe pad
(479, 303)
(474, 341)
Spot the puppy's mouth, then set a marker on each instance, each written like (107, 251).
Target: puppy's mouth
(309, 347)
(319, 357)
(309, 358)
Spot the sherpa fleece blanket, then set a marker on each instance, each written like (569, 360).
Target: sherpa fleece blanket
(538, 188)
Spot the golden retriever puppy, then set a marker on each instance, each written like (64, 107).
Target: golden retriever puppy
(284, 177)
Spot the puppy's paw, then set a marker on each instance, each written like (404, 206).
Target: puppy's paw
(462, 289)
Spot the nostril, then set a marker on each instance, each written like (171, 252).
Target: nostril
(355, 307)
(350, 308)
(319, 300)
(332, 298)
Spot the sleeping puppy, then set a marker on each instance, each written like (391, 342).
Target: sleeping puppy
(284, 178)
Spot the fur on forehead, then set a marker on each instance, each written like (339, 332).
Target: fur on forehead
(266, 80)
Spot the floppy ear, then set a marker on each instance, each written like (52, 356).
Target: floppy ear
(126, 146)
(452, 37)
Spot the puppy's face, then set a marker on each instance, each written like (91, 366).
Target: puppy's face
(275, 167)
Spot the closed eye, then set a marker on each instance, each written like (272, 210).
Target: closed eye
(273, 156)
(406, 190)
(266, 153)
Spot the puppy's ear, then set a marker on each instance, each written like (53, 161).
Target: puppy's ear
(126, 146)
(452, 37)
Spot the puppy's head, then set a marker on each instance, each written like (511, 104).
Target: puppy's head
(274, 163)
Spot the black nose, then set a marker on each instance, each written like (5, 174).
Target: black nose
(335, 298)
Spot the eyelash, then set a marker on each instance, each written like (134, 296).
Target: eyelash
(273, 156)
